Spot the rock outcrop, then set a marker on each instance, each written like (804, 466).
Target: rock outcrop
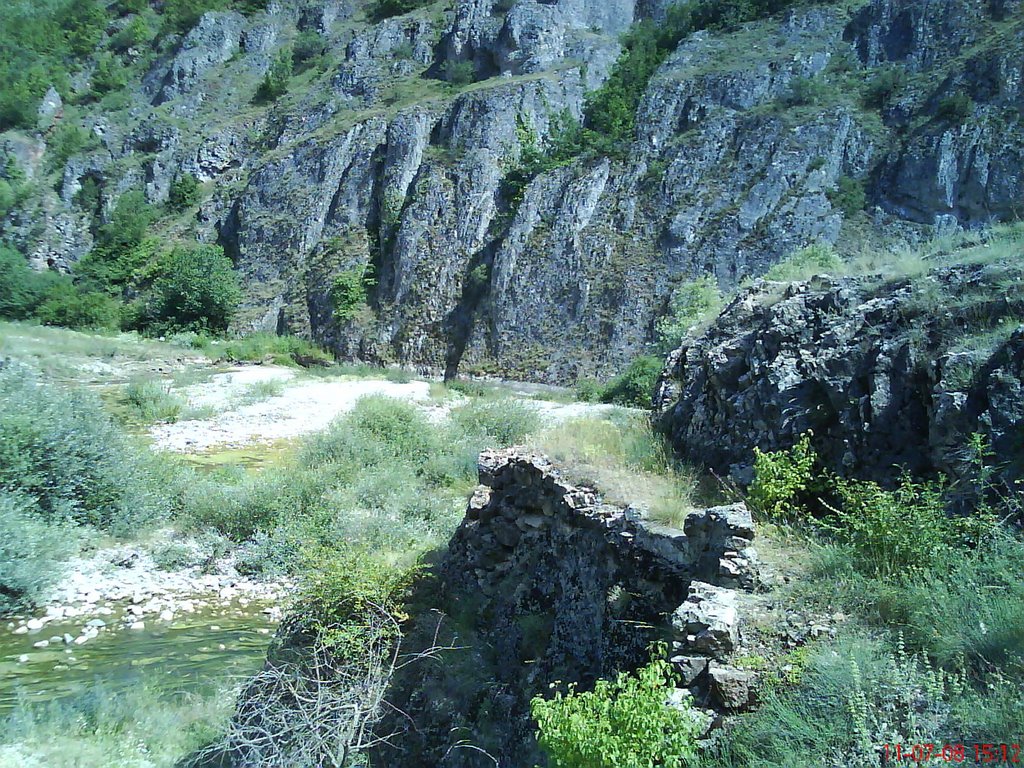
(745, 143)
(543, 582)
(887, 376)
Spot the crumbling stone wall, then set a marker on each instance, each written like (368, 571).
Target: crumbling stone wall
(544, 582)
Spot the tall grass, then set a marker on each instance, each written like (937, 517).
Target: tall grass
(629, 463)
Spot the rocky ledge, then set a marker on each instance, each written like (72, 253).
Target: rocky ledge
(544, 582)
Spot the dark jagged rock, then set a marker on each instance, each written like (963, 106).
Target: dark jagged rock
(543, 582)
(872, 369)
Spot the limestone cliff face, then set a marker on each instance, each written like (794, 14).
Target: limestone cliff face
(372, 160)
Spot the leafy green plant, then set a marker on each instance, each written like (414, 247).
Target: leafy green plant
(59, 449)
(813, 260)
(68, 307)
(275, 83)
(459, 73)
(636, 385)
(282, 350)
(898, 531)
(692, 304)
(385, 9)
(22, 289)
(785, 481)
(505, 422)
(151, 401)
(31, 551)
(196, 289)
(621, 723)
(849, 196)
(884, 86)
(350, 290)
(955, 108)
(184, 192)
(804, 91)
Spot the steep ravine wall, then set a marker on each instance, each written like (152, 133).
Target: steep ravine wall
(375, 161)
(542, 583)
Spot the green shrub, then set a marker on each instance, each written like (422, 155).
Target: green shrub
(58, 448)
(109, 75)
(884, 86)
(354, 599)
(22, 289)
(588, 390)
(385, 9)
(184, 192)
(813, 260)
(896, 531)
(955, 108)
(503, 422)
(622, 723)
(309, 47)
(804, 91)
(31, 551)
(692, 305)
(66, 141)
(459, 73)
(635, 387)
(849, 196)
(196, 290)
(785, 482)
(69, 307)
(151, 401)
(349, 292)
(282, 350)
(275, 82)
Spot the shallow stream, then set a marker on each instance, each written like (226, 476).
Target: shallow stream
(213, 645)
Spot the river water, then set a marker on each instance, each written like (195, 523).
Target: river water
(215, 645)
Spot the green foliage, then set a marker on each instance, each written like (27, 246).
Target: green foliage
(180, 16)
(196, 289)
(282, 350)
(354, 599)
(30, 553)
(813, 260)
(350, 290)
(805, 91)
(636, 385)
(121, 249)
(69, 307)
(896, 531)
(785, 482)
(135, 33)
(151, 401)
(884, 86)
(385, 9)
(67, 140)
(692, 304)
(622, 723)
(955, 108)
(60, 450)
(22, 289)
(459, 73)
(109, 75)
(184, 192)
(275, 82)
(849, 196)
(308, 49)
(503, 422)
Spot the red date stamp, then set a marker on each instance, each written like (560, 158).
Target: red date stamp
(978, 754)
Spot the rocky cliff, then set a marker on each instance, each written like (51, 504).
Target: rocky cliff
(543, 582)
(748, 144)
(888, 375)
